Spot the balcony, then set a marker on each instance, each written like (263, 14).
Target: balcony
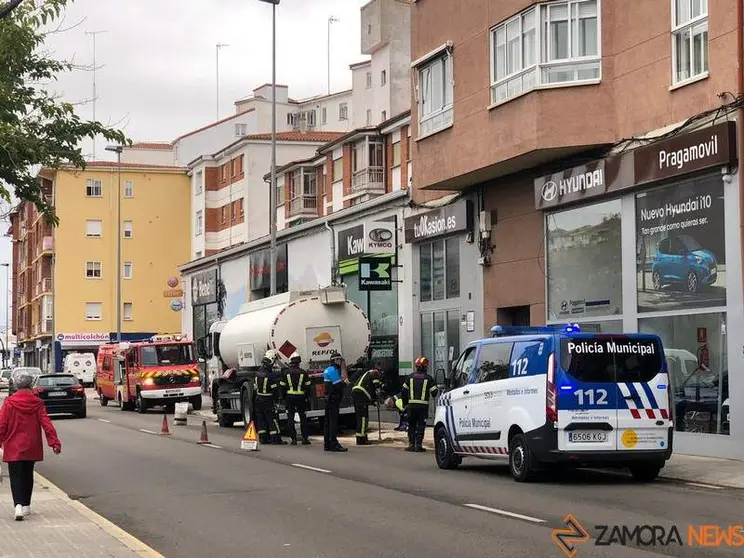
(368, 181)
(303, 206)
(43, 287)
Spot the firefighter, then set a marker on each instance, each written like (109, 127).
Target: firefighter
(364, 393)
(334, 381)
(265, 389)
(296, 385)
(419, 389)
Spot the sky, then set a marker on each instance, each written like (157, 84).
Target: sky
(156, 62)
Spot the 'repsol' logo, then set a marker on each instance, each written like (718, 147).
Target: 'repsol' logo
(567, 537)
(323, 339)
(549, 191)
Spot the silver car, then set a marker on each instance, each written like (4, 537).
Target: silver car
(31, 370)
(5, 378)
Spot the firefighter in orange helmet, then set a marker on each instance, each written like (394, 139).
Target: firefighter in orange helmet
(418, 389)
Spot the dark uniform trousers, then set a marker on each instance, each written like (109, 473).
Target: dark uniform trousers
(334, 393)
(266, 419)
(417, 415)
(361, 410)
(297, 405)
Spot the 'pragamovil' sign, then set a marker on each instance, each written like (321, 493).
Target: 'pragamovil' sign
(448, 219)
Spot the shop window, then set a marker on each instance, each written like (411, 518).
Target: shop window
(697, 359)
(439, 270)
(680, 246)
(584, 262)
(353, 293)
(383, 311)
(440, 341)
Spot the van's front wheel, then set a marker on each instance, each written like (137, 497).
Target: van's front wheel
(645, 472)
(521, 461)
(446, 457)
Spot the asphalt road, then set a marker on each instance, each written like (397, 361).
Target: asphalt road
(188, 500)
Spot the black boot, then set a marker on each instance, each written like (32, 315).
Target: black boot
(410, 447)
(419, 448)
(277, 439)
(362, 441)
(305, 442)
(338, 448)
(293, 443)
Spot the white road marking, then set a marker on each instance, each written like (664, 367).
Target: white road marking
(301, 466)
(505, 513)
(700, 485)
(147, 431)
(104, 420)
(215, 446)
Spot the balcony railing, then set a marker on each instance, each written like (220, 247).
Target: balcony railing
(368, 180)
(43, 286)
(303, 205)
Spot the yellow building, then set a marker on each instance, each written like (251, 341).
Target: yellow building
(155, 236)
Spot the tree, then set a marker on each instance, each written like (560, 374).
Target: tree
(37, 129)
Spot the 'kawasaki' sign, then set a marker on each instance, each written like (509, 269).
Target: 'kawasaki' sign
(448, 219)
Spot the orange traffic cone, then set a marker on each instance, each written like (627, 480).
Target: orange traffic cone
(164, 429)
(203, 439)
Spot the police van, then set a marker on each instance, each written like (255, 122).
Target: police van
(547, 397)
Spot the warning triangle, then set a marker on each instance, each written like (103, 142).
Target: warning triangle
(250, 433)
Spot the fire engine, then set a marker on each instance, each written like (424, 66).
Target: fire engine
(162, 370)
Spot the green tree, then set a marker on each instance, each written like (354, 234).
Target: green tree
(37, 129)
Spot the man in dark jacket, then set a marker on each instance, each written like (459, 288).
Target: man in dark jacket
(364, 392)
(22, 418)
(266, 390)
(296, 385)
(418, 389)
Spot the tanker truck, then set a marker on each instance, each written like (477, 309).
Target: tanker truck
(311, 323)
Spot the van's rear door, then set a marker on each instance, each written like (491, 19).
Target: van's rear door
(587, 394)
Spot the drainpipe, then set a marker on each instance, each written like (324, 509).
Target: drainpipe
(333, 254)
(740, 116)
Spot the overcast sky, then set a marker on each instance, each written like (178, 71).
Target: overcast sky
(157, 61)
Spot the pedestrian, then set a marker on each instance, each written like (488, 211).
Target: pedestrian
(335, 380)
(265, 389)
(296, 385)
(419, 389)
(364, 392)
(22, 418)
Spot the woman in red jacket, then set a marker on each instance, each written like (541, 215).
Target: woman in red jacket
(22, 417)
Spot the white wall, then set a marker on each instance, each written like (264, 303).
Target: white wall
(331, 104)
(310, 261)
(213, 139)
(148, 156)
(187, 322)
(380, 93)
(362, 96)
(198, 203)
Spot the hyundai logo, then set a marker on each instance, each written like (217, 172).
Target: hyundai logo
(380, 235)
(549, 191)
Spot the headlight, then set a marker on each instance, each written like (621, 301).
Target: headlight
(196, 378)
(149, 382)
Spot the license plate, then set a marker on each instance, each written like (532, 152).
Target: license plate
(173, 392)
(57, 393)
(587, 437)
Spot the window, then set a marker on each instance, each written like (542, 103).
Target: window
(127, 229)
(94, 228)
(439, 269)
(369, 80)
(338, 169)
(584, 262)
(199, 182)
(93, 311)
(128, 189)
(197, 254)
(199, 224)
(383, 78)
(689, 39)
(280, 190)
(435, 95)
(241, 130)
(369, 117)
(93, 270)
(126, 270)
(324, 115)
(290, 119)
(463, 368)
(127, 311)
(555, 43)
(343, 111)
(165, 355)
(396, 154)
(93, 188)
(311, 118)
(383, 116)
(223, 214)
(493, 362)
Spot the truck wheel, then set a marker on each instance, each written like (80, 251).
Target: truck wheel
(141, 404)
(102, 399)
(196, 402)
(446, 457)
(245, 405)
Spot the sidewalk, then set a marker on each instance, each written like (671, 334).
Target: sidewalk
(686, 468)
(61, 528)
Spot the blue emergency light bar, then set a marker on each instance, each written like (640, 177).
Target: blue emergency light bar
(508, 331)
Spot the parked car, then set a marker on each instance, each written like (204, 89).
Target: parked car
(32, 370)
(5, 378)
(680, 260)
(62, 394)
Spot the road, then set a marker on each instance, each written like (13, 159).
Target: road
(188, 500)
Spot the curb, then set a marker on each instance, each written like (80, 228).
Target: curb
(128, 540)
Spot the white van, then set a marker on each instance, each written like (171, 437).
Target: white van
(542, 397)
(82, 365)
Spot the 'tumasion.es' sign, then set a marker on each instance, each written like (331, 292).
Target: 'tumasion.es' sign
(448, 219)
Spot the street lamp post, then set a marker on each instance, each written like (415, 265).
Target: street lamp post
(331, 19)
(272, 192)
(118, 149)
(6, 353)
(219, 46)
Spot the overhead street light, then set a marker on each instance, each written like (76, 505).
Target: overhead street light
(272, 192)
(118, 150)
(6, 353)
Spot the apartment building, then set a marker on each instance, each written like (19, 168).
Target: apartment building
(67, 274)
(599, 145)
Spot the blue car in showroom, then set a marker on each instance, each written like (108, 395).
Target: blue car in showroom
(680, 260)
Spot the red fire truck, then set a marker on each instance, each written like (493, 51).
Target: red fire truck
(160, 371)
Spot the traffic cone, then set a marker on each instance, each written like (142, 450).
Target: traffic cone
(164, 429)
(203, 439)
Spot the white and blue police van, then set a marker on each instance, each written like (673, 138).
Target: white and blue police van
(548, 397)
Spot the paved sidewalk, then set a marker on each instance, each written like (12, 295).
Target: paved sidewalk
(59, 527)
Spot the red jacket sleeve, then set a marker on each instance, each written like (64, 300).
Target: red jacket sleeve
(51, 433)
(3, 425)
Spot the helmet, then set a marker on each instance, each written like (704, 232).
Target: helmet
(295, 357)
(421, 363)
(270, 356)
(335, 355)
